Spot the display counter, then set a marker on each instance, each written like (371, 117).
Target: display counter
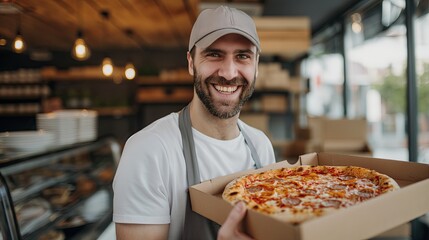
(59, 193)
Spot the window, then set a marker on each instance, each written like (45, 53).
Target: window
(422, 79)
(376, 58)
(325, 71)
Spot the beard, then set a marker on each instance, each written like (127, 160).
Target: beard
(223, 109)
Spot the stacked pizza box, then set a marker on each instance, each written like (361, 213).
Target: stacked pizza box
(338, 135)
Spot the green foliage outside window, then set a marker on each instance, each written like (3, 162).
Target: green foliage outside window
(393, 90)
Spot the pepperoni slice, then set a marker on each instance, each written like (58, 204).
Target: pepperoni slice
(338, 186)
(310, 191)
(331, 203)
(290, 201)
(346, 177)
(255, 189)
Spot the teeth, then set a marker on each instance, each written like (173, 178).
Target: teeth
(225, 89)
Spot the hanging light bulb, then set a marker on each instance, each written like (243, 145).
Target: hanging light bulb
(107, 67)
(130, 71)
(80, 50)
(3, 41)
(19, 43)
(357, 25)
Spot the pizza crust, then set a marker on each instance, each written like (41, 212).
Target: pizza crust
(301, 193)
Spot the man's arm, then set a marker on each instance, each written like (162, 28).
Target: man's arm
(141, 231)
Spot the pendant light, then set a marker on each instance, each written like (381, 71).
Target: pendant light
(80, 50)
(107, 67)
(3, 41)
(107, 64)
(357, 25)
(130, 71)
(19, 44)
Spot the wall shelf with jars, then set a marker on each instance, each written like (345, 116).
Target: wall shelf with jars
(22, 92)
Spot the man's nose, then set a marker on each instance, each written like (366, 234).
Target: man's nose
(228, 69)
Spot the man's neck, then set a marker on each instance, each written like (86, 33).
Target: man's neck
(206, 123)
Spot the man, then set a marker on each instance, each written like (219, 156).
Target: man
(205, 140)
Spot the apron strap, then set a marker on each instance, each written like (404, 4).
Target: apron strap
(197, 226)
(252, 148)
(185, 126)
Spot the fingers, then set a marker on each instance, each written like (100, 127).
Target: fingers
(231, 228)
(236, 215)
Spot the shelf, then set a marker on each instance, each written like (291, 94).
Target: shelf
(114, 111)
(90, 73)
(165, 95)
(19, 197)
(9, 163)
(157, 81)
(60, 215)
(288, 37)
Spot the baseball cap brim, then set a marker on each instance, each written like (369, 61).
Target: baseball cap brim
(210, 38)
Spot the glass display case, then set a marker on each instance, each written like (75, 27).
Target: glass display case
(59, 193)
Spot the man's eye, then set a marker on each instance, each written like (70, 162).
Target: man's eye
(213, 54)
(243, 56)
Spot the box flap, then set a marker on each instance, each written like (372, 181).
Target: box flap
(309, 159)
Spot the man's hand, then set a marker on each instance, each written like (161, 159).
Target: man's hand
(231, 228)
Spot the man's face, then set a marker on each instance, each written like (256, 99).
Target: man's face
(225, 74)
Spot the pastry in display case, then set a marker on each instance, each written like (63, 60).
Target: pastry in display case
(61, 193)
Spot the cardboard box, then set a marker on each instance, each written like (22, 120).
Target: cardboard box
(288, 37)
(295, 148)
(362, 221)
(274, 103)
(338, 135)
(257, 120)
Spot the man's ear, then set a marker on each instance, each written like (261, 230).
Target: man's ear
(190, 63)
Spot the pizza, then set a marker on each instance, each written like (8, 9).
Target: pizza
(301, 193)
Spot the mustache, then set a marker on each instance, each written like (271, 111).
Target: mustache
(222, 81)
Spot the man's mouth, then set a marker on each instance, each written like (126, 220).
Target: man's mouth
(226, 89)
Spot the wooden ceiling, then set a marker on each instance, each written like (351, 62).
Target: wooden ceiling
(134, 25)
(131, 24)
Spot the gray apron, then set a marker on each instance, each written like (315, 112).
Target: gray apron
(197, 226)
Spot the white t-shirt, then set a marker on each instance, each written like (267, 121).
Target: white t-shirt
(150, 182)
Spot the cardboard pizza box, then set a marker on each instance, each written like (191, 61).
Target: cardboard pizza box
(362, 221)
(342, 136)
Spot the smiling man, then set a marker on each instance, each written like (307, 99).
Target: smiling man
(204, 140)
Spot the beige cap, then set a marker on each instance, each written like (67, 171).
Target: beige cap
(212, 24)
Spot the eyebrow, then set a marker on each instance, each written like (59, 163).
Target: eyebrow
(240, 51)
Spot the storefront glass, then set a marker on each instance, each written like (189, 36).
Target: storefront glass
(377, 57)
(325, 70)
(375, 44)
(422, 68)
